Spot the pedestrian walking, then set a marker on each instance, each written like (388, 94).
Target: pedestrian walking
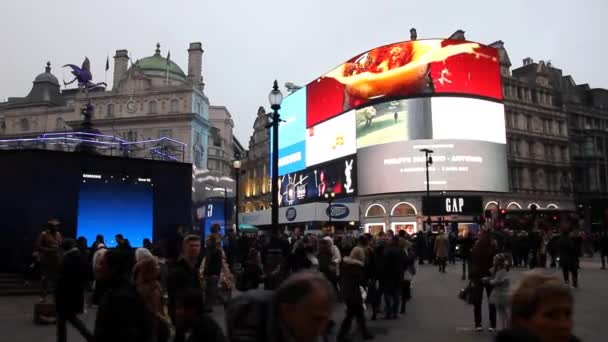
(69, 295)
(441, 249)
(482, 257)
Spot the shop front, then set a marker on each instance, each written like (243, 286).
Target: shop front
(310, 216)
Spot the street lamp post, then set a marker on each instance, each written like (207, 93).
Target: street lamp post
(237, 169)
(428, 161)
(275, 98)
(330, 198)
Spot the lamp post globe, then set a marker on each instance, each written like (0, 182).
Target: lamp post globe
(275, 98)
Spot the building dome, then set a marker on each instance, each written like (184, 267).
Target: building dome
(46, 76)
(157, 65)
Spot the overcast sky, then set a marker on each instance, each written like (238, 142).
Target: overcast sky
(249, 43)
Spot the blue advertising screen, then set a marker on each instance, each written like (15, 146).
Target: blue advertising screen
(292, 133)
(292, 129)
(110, 205)
(215, 212)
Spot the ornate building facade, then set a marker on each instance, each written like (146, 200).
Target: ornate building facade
(255, 177)
(540, 172)
(149, 99)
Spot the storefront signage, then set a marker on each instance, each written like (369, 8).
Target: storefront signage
(291, 214)
(337, 211)
(452, 205)
(337, 177)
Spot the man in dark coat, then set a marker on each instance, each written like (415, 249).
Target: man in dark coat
(466, 244)
(568, 254)
(482, 257)
(122, 314)
(69, 295)
(183, 274)
(392, 276)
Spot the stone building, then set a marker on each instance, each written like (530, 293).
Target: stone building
(149, 99)
(255, 177)
(540, 172)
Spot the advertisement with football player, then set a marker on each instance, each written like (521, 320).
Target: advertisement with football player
(405, 69)
(310, 185)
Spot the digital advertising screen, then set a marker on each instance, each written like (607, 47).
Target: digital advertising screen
(331, 139)
(393, 121)
(292, 133)
(463, 165)
(405, 69)
(215, 213)
(115, 204)
(311, 185)
(468, 119)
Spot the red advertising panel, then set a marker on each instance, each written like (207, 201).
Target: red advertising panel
(403, 70)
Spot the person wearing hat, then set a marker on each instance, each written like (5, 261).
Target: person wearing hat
(352, 281)
(47, 245)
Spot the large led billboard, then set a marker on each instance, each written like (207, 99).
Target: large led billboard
(338, 177)
(381, 107)
(393, 121)
(466, 134)
(405, 69)
(331, 139)
(463, 165)
(292, 133)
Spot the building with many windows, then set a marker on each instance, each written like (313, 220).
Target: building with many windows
(255, 177)
(557, 152)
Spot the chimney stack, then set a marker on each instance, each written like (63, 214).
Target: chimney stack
(195, 63)
(413, 34)
(121, 64)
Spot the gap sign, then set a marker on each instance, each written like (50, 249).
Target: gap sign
(452, 205)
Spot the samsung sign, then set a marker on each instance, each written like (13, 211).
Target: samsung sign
(337, 211)
(452, 205)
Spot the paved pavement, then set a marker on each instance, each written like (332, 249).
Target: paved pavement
(434, 314)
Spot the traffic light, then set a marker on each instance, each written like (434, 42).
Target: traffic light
(502, 214)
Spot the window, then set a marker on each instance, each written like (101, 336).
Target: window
(59, 124)
(24, 124)
(110, 110)
(174, 106)
(152, 107)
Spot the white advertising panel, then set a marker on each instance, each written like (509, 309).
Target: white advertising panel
(468, 119)
(331, 139)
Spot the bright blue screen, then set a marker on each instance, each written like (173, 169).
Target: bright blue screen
(292, 129)
(215, 213)
(115, 208)
(292, 133)
(292, 158)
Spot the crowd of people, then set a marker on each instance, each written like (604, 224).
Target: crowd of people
(289, 284)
